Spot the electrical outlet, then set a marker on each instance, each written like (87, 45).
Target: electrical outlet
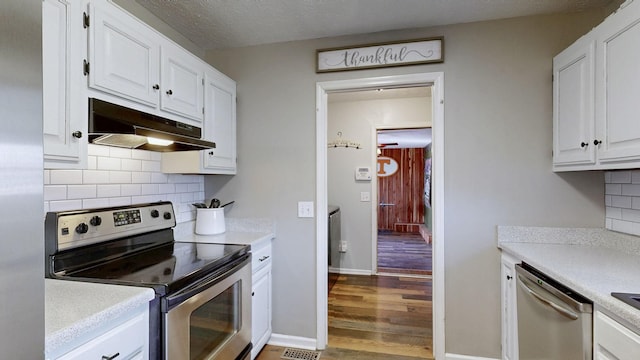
(305, 209)
(365, 196)
(343, 246)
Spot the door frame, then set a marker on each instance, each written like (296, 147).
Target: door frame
(374, 187)
(436, 80)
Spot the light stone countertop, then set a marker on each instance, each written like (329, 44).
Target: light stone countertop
(243, 231)
(75, 308)
(593, 262)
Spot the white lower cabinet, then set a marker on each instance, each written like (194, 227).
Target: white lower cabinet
(509, 308)
(127, 341)
(261, 297)
(612, 340)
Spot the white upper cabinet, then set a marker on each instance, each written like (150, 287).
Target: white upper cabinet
(64, 120)
(573, 104)
(182, 83)
(618, 86)
(124, 55)
(219, 127)
(220, 123)
(596, 91)
(139, 66)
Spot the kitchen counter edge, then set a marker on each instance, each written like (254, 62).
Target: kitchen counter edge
(75, 309)
(591, 261)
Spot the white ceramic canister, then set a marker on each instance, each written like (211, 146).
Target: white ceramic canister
(210, 221)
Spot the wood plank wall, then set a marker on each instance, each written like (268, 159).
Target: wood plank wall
(405, 189)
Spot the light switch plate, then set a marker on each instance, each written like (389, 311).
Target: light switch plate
(305, 209)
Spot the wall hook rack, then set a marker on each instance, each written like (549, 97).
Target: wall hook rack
(340, 142)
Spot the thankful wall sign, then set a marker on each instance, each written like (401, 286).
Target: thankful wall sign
(410, 52)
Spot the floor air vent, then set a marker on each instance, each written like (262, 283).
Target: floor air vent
(296, 354)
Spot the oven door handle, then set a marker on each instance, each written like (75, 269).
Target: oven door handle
(203, 284)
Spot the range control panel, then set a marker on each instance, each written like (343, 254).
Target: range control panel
(83, 227)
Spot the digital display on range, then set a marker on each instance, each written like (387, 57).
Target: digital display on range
(126, 217)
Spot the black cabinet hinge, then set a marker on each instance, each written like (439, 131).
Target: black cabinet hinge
(86, 67)
(85, 20)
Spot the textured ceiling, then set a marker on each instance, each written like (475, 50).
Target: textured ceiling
(216, 24)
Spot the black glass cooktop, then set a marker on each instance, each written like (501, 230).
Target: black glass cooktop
(164, 267)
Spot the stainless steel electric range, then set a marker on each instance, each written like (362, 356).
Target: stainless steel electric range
(202, 308)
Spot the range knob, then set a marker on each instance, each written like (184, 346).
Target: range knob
(82, 228)
(167, 215)
(95, 221)
(154, 213)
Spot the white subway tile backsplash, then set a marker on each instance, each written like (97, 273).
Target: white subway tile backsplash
(95, 177)
(621, 177)
(631, 215)
(98, 150)
(81, 191)
(140, 178)
(64, 205)
(631, 189)
(613, 189)
(117, 177)
(151, 166)
(150, 189)
(131, 165)
(107, 191)
(621, 201)
(120, 153)
(55, 192)
(131, 189)
(107, 163)
(613, 213)
(65, 177)
(95, 203)
(635, 177)
(607, 200)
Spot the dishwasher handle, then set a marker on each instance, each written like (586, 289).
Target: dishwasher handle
(564, 312)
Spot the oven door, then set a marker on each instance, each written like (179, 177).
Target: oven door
(211, 319)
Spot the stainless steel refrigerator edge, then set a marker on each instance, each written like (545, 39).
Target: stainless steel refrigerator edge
(21, 181)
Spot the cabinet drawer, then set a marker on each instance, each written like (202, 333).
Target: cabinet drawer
(130, 340)
(260, 258)
(614, 340)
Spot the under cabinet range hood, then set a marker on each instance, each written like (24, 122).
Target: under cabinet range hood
(115, 125)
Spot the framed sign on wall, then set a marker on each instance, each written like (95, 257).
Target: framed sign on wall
(401, 53)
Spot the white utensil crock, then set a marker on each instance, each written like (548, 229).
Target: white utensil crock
(210, 221)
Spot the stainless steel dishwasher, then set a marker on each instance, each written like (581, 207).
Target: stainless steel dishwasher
(554, 322)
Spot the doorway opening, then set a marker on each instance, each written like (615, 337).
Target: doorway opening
(404, 215)
(436, 81)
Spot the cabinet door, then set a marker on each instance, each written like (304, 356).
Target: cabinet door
(182, 84)
(261, 310)
(220, 123)
(130, 340)
(612, 340)
(124, 55)
(64, 119)
(618, 85)
(509, 312)
(573, 104)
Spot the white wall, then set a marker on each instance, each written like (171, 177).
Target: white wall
(118, 176)
(357, 120)
(497, 158)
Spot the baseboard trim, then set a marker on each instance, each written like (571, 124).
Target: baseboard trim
(349, 271)
(292, 341)
(465, 357)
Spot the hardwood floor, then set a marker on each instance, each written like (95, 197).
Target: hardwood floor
(376, 318)
(404, 253)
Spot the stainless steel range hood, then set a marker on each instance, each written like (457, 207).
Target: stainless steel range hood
(115, 125)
